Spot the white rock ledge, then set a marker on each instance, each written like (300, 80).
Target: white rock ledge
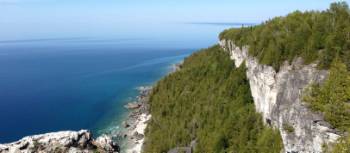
(64, 141)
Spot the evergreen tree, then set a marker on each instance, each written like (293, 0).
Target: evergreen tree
(332, 98)
(312, 35)
(209, 101)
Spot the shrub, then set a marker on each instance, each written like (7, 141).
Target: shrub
(288, 128)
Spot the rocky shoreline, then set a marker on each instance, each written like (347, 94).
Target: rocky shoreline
(83, 142)
(136, 122)
(63, 141)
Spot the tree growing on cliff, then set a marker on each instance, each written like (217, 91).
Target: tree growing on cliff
(333, 96)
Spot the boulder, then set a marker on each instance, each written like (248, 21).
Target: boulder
(125, 124)
(138, 136)
(106, 143)
(133, 105)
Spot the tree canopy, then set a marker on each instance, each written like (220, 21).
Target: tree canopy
(312, 35)
(208, 101)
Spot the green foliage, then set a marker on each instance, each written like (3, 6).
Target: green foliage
(343, 145)
(288, 128)
(332, 98)
(209, 101)
(311, 35)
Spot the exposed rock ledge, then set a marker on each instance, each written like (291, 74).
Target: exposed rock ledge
(64, 141)
(278, 96)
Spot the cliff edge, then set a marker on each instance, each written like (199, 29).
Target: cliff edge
(278, 96)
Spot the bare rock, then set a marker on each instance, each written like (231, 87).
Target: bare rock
(138, 136)
(133, 105)
(278, 97)
(126, 124)
(64, 141)
(105, 143)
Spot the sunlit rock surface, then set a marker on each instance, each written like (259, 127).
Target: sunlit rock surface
(278, 96)
(64, 141)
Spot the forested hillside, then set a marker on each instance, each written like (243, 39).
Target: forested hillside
(313, 35)
(208, 101)
(316, 36)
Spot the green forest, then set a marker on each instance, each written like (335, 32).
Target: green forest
(313, 35)
(332, 99)
(208, 101)
(316, 36)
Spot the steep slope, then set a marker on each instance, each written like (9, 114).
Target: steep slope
(285, 56)
(278, 96)
(207, 105)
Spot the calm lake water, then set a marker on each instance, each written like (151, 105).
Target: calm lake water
(74, 83)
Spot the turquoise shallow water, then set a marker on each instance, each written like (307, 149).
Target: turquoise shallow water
(82, 82)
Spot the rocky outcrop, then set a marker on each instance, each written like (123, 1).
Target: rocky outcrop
(141, 103)
(65, 141)
(135, 124)
(278, 96)
(133, 105)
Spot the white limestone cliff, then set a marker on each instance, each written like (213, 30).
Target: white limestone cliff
(278, 96)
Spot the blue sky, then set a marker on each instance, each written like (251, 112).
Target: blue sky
(21, 19)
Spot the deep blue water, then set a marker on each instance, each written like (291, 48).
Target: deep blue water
(72, 83)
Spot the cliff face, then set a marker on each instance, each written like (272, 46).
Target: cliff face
(278, 96)
(65, 141)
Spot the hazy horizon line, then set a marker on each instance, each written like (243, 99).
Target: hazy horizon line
(224, 23)
(74, 39)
